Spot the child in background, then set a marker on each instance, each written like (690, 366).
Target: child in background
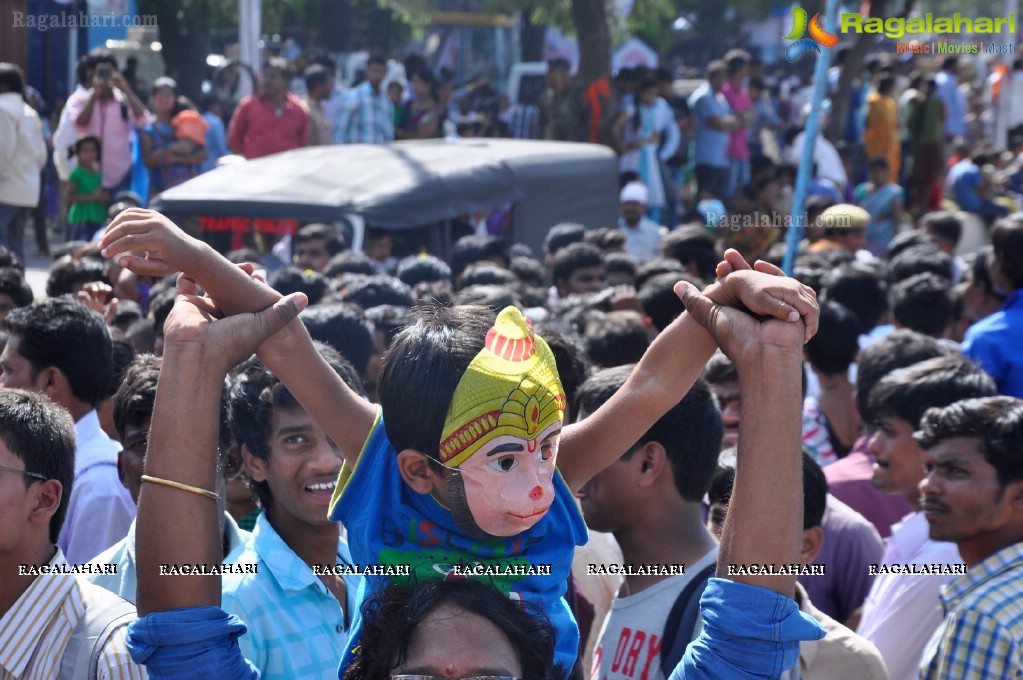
(189, 129)
(86, 198)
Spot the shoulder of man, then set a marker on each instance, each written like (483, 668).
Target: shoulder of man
(105, 615)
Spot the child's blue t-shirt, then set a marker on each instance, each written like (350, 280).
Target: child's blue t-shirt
(390, 524)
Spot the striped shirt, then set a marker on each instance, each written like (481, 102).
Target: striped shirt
(982, 634)
(366, 117)
(36, 629)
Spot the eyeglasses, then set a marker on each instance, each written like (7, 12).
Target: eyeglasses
(437, 677)
(34, 475)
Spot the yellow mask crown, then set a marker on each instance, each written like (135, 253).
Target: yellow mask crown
(510, 388)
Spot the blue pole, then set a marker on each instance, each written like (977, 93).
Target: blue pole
(820, 81)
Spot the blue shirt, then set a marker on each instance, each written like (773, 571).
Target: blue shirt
(390, 524)
(366, 117)
(748, 632)
(994, 343)
(296, 628)
(966, 178)
(216, 141)
(711, 144)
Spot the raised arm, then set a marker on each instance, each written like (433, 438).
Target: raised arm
(290, 354)
(671, 365)
(177, 512)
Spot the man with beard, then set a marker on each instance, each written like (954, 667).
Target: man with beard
(272, 121)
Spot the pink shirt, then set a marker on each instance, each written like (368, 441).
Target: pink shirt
(849, 481)
(738, 99)
(115, 134)
(258, 129)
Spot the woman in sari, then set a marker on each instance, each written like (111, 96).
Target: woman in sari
(884, 200)
(420, 118)
(636, 135)
(170, 160)
(881, 137)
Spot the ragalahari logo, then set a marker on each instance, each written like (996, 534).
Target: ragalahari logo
(818, 36)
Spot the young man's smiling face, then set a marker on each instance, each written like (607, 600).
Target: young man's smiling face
(965, 503)
(301, 470)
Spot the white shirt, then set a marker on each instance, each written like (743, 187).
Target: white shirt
(22, 151)
(101, 510)
(641, 240)
(901, 611)
(829, 163)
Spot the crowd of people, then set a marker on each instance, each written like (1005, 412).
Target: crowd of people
(584, 462)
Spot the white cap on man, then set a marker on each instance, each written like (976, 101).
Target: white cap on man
(634, 191)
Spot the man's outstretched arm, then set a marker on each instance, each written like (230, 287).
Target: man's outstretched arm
(177, 522)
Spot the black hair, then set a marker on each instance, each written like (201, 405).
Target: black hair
(344, 327)
(349, 262)
(906, 240)
(621, 263)
(878, 163)
(573, 257)
(9, 259)
(908, 392)
(89, 139)
(719, 369)
(1007, 242)
(997, 422)
(657, 295)
(619, 338)
(160, 305)
(735, 60)
(69, 273)
(391, 618)
(134, 399)
(944, 224)
(63, 333)
(422, 368)
(255, 392)
(658, 265)
(494, 297)
(561, 235)
(333, 242)
(474, 248)
(815, 490)
(837, 340)
(920, 259)
(422, 268)
(860, 288)
(380, 289)
(689, 243)
(896, 350)
(12, 283)
(376, 59)
(294, 280)
(42, 435)
(606, 239)
(12, 78)
(486, 273)
(690, 431)
(923, 303)
(242, 255)
(528, 270)
(315, 76)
